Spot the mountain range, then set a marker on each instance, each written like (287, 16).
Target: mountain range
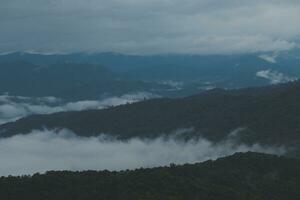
(266, 115)
(88, 76)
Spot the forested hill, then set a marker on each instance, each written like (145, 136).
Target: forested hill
(245, 176)
(70, 81)
(200, 71)
(268, 115)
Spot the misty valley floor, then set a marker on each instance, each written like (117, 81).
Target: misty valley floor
(46, 150)
(149, 133)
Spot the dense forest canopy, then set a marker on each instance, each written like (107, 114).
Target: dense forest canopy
(241, 176)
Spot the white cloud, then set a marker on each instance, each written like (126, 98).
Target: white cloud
(275, 77)
(42, 151)
(16, 107)
(149, 26)
(269, 58)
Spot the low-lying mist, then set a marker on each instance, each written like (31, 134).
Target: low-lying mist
(46, 150)
(16, 107)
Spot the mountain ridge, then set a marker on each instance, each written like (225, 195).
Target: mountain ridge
(267, 115)
(240, 176)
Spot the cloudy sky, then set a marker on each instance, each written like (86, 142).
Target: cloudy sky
(149, 26)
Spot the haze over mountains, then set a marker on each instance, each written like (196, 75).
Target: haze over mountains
(268, 115)
(117, 74)
(195, 108)
(214, 123)
(149, 100)
(196, 102)
(83, 78)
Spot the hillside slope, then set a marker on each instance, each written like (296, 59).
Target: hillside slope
(268, 115)
(241, 176)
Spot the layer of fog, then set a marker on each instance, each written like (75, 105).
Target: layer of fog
(16, 107)
(275, 77)
(269, 58)
(42, 151)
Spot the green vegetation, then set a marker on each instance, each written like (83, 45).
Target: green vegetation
(270, 115)
(246, 176)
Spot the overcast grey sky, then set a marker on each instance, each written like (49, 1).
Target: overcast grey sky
(149, 26)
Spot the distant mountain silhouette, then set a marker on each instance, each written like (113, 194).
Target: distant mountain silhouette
(195, 71)
(66, 80)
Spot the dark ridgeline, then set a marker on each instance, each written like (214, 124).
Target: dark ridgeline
(269, 115)
(245, 176)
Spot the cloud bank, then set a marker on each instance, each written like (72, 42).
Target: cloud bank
(42, 151)
(269, 58)
(149, 26)
(275, 77)
(16, 107)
